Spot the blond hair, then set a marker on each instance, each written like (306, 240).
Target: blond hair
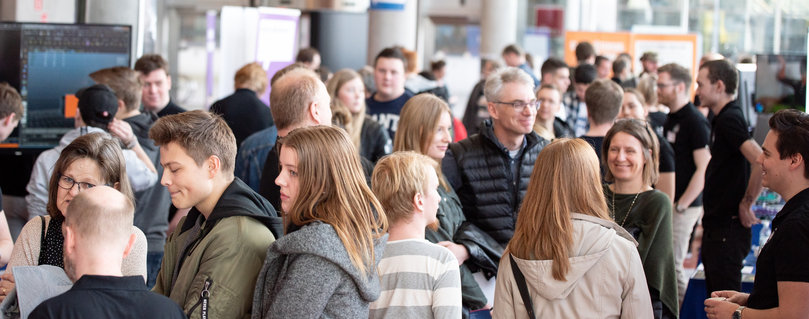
(333, 190)
(251, 76)
(544, 229)
(101, 220)
(124, 81)
(397, 178)
(342, 116)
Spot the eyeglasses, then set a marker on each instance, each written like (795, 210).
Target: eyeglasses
(520, 106)
(68, 183)
(664, 85)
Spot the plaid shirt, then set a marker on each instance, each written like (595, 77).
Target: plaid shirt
(576, 113)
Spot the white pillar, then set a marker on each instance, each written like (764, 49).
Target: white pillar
(498, 26)
(128, 12)
(392, 26)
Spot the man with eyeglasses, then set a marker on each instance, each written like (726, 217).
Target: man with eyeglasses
(687, 131)
(490, 170)
(98, 106)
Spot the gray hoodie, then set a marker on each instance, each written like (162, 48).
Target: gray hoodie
(308, 274)
(37, 199)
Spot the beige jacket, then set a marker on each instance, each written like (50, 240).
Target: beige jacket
(605, 280)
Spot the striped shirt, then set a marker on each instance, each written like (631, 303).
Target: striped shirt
(418, 279)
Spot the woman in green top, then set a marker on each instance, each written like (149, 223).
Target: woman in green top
(631, 154)
(425, 126)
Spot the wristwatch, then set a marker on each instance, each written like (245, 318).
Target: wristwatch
(738, 313)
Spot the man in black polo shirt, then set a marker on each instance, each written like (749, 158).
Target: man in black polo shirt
(782, 280)
(98, 235)
(687, 131)
(728, 193)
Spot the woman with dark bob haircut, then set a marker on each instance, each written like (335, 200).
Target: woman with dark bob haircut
(90, 160)
(326, 263)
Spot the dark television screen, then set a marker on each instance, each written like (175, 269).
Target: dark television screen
(780, 82)
(48, 62)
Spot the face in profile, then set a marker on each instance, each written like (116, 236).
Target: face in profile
(625, 157)
(773, 168)
(632, 108)
(352, 94)
(78, 176)
(431, 197)
(287, 178)
(188, 183)
(442, 136)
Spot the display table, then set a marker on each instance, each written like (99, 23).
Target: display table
(695, 295)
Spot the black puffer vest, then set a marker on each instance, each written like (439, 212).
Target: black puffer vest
(490, 198)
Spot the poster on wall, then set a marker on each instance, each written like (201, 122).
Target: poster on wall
(265, 35)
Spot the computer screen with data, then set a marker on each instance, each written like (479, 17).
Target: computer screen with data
(48, 63)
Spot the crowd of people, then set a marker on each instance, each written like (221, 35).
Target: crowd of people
(568, 193)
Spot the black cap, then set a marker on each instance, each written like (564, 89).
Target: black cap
(98, 105)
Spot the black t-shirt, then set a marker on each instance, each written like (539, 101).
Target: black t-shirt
(728, 171)
(170, 109)
(1, 199)
(666, 156)
(657, 120)
(687, 130)
(596, 142)
(785, 256)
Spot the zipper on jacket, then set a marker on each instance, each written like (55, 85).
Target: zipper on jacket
(204, 297)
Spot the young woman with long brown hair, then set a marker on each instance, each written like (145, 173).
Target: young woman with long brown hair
(325, 264)
(575, 261)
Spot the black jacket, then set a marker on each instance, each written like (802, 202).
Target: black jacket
(152, 204)
(244, 113)
(375, 140)
(479, 170)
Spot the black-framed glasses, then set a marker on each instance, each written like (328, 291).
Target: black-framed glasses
(67, 182)
(520, 106)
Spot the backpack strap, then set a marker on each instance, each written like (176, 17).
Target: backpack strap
(520, 279)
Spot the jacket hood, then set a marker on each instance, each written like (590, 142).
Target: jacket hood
(141, 123)
(74, 134)
(239, 200)
(320, 239)
(592, 238)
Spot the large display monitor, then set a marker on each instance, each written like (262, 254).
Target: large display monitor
(47, 63)
(780, 82)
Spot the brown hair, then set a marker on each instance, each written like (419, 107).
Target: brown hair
(397, 178)
(603, 99)
(102, 149)
(650, 147)
(638, 95)
(411, 58)
(10, 101)
(340, 113)
(723, 70)
(252, 77)
(677, 73)
(150, 62)
(124, 81)
(792, 127)
(291, 95)
(202, 134)
(544, 229)
(418, 121)
(334, 191)
(306, 55)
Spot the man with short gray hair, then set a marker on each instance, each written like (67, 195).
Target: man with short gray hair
(490, 170)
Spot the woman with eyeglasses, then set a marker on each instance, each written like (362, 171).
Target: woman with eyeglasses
(630, 153)
(90, 160)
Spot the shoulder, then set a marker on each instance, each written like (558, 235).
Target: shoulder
(241, 229)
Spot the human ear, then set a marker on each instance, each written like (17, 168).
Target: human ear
(214, 165)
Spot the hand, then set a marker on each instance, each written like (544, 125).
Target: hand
(746, 215)
(122, 131)
(739, 298)
(460, 251)
(6, 284)
(719, 309)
